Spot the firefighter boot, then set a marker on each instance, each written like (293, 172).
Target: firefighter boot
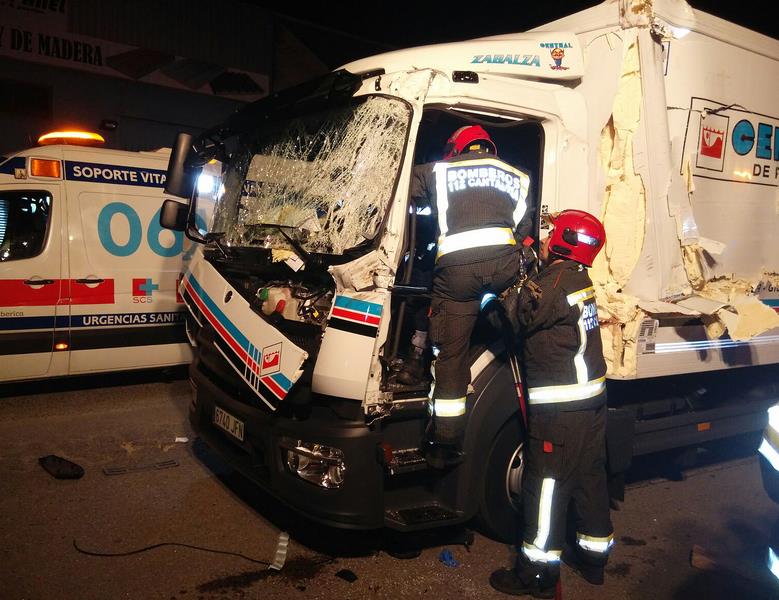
(443, 456)
(440, 448)
(591, 573)
(527, 579)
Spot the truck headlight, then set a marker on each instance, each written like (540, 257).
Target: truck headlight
(316, 463)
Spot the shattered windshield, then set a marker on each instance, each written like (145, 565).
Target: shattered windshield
(324, 179)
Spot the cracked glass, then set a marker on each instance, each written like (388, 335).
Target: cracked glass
(324, 179)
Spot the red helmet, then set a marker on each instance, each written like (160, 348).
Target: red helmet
(577, 235)
(465, 136)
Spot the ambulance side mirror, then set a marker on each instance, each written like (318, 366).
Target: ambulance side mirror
(173, 215)
(181, 176)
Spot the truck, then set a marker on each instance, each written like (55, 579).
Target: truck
(658, 118)
(88, 278)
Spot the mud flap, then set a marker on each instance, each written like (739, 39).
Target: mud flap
(620, 425)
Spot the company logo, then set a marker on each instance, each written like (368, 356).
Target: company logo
(142, 290)
(711, 142)
(179, 299)
(271, 359)
(558, 54)
(732, 144)
(528, 60)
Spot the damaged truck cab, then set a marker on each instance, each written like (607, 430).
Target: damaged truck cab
(302, 295)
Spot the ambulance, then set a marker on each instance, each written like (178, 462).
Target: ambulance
(88, 278)
(656, 117)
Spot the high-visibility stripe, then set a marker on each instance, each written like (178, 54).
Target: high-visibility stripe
(475, 238)
(771, 436)
(770, 453)
(544, 512)
(595, 544)
(773, 562)
(580, 296)
(582, 376)
(449, 407)
(521, 207)
(773, 417)
(535, 554)
(566, 393)
(441, 197)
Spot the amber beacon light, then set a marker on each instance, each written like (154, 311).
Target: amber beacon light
(84, 138)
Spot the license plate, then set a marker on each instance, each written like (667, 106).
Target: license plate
(227, 422)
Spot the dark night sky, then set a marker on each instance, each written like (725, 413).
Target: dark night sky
(339, 32)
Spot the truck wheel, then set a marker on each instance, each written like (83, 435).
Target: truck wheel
(501, 491)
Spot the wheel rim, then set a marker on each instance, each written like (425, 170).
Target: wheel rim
(516, 467)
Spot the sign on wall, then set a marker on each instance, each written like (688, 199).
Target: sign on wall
(37, 31)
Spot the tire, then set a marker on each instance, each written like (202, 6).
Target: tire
(500, 510)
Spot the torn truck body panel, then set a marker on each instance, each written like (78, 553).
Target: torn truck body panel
(674, 158)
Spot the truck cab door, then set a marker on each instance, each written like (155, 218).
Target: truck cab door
(31, 284)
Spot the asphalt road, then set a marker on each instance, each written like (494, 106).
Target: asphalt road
(165, 491)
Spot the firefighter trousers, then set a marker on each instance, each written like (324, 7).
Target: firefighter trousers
(565, 459)
(457, 295)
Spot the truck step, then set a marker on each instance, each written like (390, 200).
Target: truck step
(407, 461)
(421, 515)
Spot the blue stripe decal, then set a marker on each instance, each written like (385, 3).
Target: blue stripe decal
(96, 320)
(49, 322)
(283, 382)
(220, 316)
(770, 301)
(115, 174)
(358, 305)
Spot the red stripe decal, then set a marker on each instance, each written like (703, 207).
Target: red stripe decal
(274, 387)
(350, 315)
(221, 330)
(14, 292)
(82, 293)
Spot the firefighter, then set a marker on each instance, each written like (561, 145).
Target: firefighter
(479, 201)
(566, 393)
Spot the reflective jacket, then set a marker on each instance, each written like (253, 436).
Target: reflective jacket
(561, 345)
(479, 201)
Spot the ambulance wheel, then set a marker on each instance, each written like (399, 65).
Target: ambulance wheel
(501, 491)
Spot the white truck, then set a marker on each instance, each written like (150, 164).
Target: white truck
(88, 278)
(656, 117)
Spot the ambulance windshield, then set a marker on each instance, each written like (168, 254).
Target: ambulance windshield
(324, 179)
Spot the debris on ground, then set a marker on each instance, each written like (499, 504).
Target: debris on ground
(181, 440)
(61, 468)
(347, 575)
(281, 552)
(448, 558)
(156, 466)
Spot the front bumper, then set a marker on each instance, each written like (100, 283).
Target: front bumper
(356, 504)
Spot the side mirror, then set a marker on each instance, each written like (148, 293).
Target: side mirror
(181, 176)
(173, 215)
